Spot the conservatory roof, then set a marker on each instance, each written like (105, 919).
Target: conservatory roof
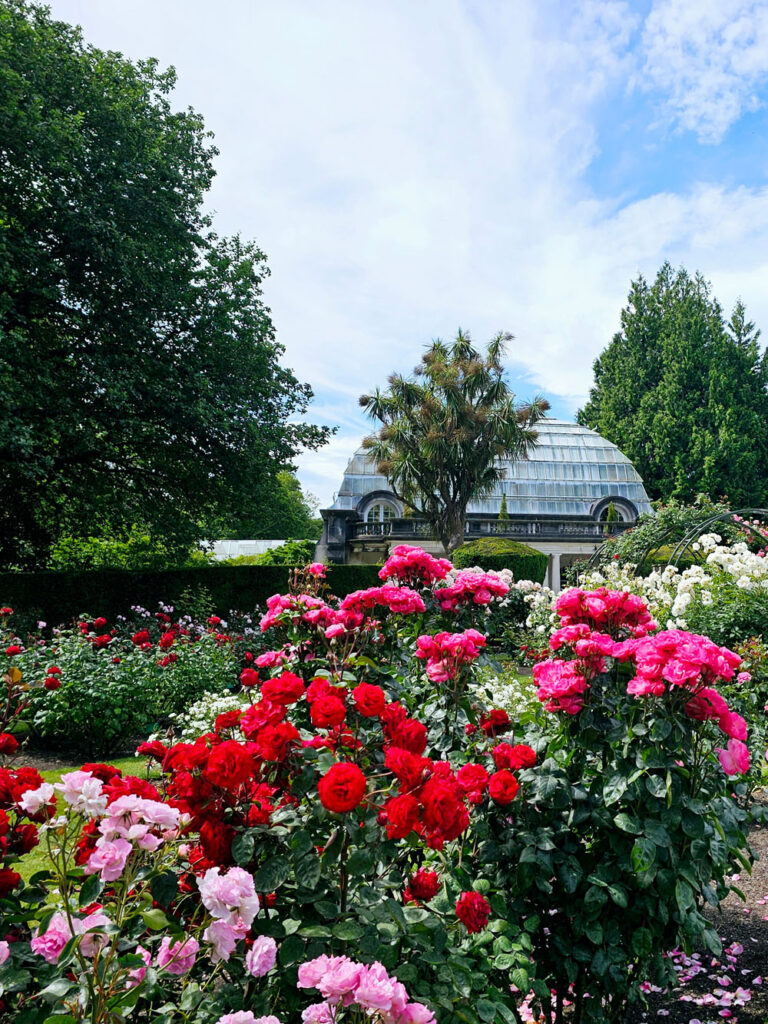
(566, 473)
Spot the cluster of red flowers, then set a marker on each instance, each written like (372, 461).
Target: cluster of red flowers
(413, 566)
(446, 653)
(18, 834)
(470, 587)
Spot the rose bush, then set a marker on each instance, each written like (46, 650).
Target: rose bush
(363, 825)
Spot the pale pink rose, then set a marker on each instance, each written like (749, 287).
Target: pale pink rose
(109, 859)
(312, 971)
(416, 1013)
(83, 793)
(340, 978)
(223, 938)
(318, 1013)
(50, 944)
(90, 944)
(229, 896)
(178, 958)
(375, 989)
(735, 758)
(136, 974)
(5, 951)
(33, 800)
(261, 957)
(743, 677)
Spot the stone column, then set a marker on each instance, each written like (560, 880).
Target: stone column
(553, 572)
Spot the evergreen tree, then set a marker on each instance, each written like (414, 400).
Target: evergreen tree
(684, 394)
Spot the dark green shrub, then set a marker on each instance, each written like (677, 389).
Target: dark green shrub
(498, 553)
(59, 597)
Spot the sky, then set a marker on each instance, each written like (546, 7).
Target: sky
(415, 166)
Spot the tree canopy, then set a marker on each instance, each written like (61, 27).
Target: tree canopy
(140, 379)
(288, 514)
(684, 393)
(443, 430)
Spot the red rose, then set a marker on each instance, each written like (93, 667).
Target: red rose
(318, 687)
(8, 881)
(24, 839)
(142, 637)
(327, 712)
(166, 640)
(470, 729)
(410, 735)
(248, 657)
(409, 768)
(8, 744)
(229, 765)
(154, 749)
(369, 700)
(519, 756)
(216, 841)
(342, 787)
(285, 689)
(503, 787)
(6, 611)
(10, 651)
(105, 772)
(472, 780)
(105, 639)
(227, 720)
(214, 620)
(444, 815)
(116, 661)
(401, 814)
(272, 742)
(424, 885)
(52, 683)
(495, 722)
(258, 715)
(99, 623)
(249, 677)
(54, 670)
(473, 910)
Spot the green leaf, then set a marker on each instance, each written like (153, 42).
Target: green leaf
(57, 989)
(164, 888)
(272, 874)
(486, 1010)
(308, 870)
(291, 950)
(627, 823)
(614, 789)
(155, 919)
(520, 978)
(242, 849)
(315, 931)
(656, 786)
(643, 855)
(90, 890)
(642, 942)
(347, 931)
(360, 862)
(657, 833)
(683, 895)
(571, 873)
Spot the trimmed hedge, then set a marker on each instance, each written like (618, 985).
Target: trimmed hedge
(497, 553)
(58, 597)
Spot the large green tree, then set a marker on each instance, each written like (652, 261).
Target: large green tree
(443, 430)
(140, 379)
(288, 514)
(684, 392)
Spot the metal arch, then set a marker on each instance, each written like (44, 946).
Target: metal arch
(693, 534)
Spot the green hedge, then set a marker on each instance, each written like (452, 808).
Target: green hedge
(497, 553)
(58, 597)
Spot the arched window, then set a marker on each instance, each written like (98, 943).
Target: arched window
(380, 512)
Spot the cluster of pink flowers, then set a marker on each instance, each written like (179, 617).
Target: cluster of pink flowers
(607, 609)
(400, 600)
(344, 982)
(414, 566)
(561, 685)
(445, 653)
(470, 587)
(52, 941)
(232, 902)
(665, 662)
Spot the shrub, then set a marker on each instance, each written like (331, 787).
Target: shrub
(496, 553)
(139, 550)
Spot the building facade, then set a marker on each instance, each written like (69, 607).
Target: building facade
(557, 501)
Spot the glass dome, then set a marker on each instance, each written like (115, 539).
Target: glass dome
(571, 471)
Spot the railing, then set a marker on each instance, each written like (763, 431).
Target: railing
(538, 529)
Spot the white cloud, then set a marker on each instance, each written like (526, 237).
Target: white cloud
(411, 168)
(709, 58)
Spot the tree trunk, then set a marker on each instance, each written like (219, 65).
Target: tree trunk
(453, 533)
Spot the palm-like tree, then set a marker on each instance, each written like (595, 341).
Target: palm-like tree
(443, 431)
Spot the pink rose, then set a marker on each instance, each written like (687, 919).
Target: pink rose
(261, 957)
(109, 858)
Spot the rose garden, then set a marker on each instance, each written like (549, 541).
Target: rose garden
(355, 821)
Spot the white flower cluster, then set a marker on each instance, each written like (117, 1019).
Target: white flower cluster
(670, 592)
(503, 691)
(200, 717)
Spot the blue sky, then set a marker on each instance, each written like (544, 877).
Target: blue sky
(410, 168)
